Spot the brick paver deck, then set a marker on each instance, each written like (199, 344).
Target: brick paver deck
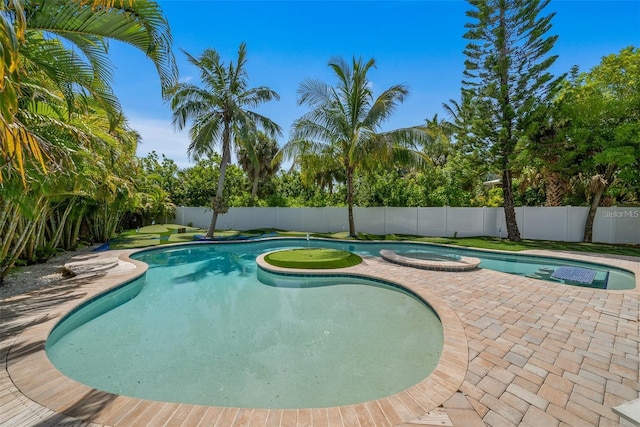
(518, 351)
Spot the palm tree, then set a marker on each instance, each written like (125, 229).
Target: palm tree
(219, 112)
(439, 135)
(65, 147)
(322, 170)
(345, 121)
(85, 26)
(257, 158)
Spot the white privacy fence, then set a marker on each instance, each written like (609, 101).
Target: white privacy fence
(565, 223)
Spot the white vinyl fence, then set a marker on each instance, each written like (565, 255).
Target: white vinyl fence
(565, 223)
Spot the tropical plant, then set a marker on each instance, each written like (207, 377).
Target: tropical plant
(602, 107)
(439, 139)
(506, 75)
(320, 169)
(165, 171)
(194, 184)
(50, 211)
(36, 38)
(219, 111)
(257, 157)
(63, 137)
(345, 124)
(548, 155)
(289, 190)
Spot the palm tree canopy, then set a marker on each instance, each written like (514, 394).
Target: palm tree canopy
(35, 36)
(224, 98)
(349, 118)
(87, 25)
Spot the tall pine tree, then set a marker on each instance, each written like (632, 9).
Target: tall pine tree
(506, 74)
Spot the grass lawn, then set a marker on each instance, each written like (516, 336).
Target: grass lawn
(507, 245)
(314, 258)
(153, 235)
(160, 234)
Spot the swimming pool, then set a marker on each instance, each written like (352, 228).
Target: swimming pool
(197, 292)
(534, 266)
(538, 267)
(204, 326)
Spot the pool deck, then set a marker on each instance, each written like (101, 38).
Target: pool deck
(517, 351)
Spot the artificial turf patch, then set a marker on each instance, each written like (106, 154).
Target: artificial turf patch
(183, 237)
(135, 241)
(313, 258)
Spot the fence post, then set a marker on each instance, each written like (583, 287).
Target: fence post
(446, 221)
(384, 215)
(484, 221)
(566, 223)
(612, 225)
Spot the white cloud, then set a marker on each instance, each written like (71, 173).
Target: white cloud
(159, 136)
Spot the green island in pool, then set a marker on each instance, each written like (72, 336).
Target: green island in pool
(313, 258)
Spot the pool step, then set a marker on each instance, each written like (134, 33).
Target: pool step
(543, 273)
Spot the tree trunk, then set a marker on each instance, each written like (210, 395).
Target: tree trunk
(226, 157)
(513, 233)
(57, 234)
(254, 188)
(75, 232)
(16, 250)
(555, 189)
(352, 224)
(598, 186)
(212, 224)
(214, 217)
(591, 216)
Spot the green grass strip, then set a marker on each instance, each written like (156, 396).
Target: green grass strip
(313, 258)
(162, 234)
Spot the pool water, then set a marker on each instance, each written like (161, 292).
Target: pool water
(204, 327)
(519, 264)
(429, 255)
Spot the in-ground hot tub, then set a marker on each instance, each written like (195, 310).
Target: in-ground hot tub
(430, 260)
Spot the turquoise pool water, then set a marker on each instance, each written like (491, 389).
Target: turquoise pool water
(204, 326)
(518, 264)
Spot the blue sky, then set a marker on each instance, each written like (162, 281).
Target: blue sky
(416, 43)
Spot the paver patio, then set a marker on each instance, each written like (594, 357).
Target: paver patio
(518, 351)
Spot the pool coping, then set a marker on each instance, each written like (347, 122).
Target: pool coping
(38, 380)
(464, 263)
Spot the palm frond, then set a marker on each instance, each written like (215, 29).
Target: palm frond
(95, 50)
(205, 135)
(9, 46)
(140, 24)
(68, 71)
(314, 93)
(256, 96)
(385, 105)
(19, 145)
